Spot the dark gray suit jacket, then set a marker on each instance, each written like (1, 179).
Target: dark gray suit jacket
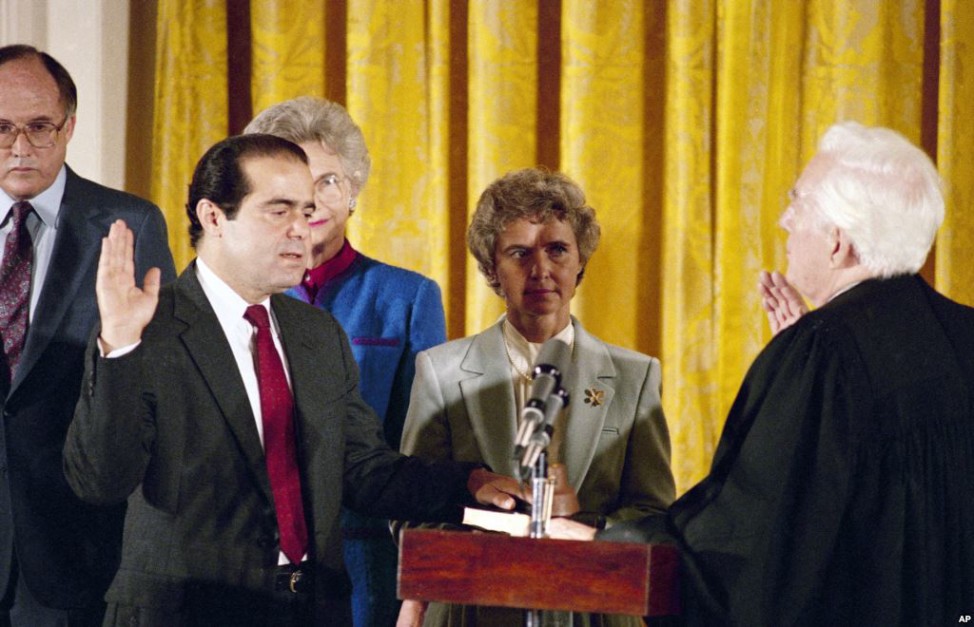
(169, 428)
(67, 551)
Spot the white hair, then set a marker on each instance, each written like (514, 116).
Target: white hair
(883, 192)
(308, 119)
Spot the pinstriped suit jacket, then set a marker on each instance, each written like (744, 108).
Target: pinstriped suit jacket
(169, 428)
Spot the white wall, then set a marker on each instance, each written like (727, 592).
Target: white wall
(90, 39)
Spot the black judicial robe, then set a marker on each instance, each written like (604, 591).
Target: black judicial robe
(842, 488)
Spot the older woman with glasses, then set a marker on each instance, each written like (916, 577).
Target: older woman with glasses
(388, 313)
(532, 235)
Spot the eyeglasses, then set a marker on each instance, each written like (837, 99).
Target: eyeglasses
(329, 188)
(39, 134)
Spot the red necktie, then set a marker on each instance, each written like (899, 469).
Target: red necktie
(277, 414)
(18, 255)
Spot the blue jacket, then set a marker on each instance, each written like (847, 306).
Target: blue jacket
(389, 315)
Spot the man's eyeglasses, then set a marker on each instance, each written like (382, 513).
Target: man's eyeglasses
(39, 134)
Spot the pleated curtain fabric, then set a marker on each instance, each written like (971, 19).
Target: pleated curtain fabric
(685, 121)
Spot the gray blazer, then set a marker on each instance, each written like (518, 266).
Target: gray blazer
(616, 449)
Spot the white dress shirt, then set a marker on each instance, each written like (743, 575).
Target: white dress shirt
(229, 308)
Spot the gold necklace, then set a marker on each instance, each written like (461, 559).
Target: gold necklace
(526, 376)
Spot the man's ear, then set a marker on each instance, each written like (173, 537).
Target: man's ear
(68, 128)
(211, 217)
(843, 252)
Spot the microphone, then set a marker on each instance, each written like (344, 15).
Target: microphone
(552, 365)
(541, 437)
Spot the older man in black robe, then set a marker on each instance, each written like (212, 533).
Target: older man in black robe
(842, 489)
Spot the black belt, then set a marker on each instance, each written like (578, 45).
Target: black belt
(294, 578)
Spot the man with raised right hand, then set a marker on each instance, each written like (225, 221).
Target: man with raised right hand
(230, 418)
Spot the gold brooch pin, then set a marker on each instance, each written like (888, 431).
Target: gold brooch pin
(594, 397)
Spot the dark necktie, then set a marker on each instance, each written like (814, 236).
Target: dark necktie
(18, 255)
(277, 414)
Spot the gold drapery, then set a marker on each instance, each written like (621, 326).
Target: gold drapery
(685, 121)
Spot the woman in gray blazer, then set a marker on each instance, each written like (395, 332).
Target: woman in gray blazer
(532, 234)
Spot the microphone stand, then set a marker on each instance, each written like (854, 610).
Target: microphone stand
(548, 398)
(542, 483)
(541, 495)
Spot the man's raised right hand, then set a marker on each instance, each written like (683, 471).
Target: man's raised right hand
(125, 309)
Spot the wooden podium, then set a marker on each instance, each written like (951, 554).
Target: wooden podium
(473, 568)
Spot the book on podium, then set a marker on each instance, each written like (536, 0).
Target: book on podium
(476, 568)
(511, 523)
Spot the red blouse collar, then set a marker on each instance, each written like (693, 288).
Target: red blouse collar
(319, 276)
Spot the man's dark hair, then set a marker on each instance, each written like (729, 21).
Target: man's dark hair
(65, 86)
(220, 178)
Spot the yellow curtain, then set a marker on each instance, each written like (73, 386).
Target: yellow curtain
(685, 121)
(190, 105)
(689, 286)
(955, 136)
(288, 56)
(606, 126)
(397, 81)
(502, 117)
